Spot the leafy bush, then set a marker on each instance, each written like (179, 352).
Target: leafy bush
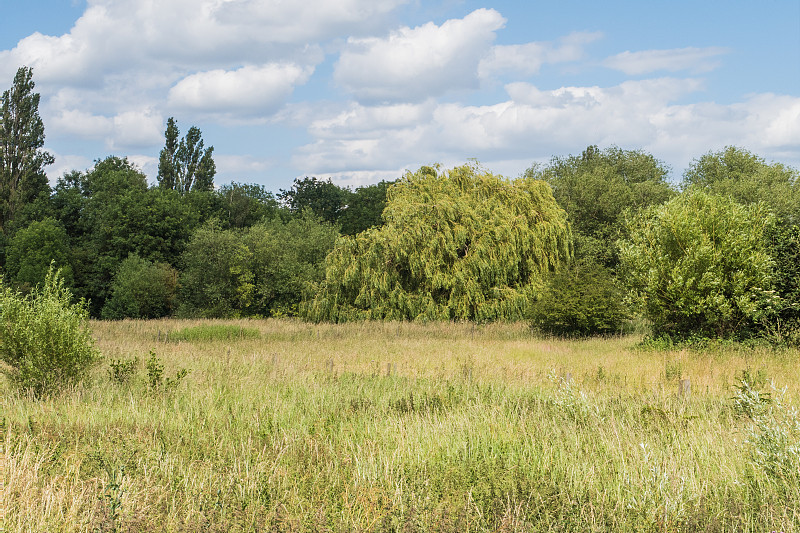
(582, 300)
(700, 266)
(156, 382)
(45, 339)
(121, 371)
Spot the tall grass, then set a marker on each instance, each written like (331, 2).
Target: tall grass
(402, 427)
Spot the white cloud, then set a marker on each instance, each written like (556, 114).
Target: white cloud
(136, 129)
(692, 59)
(246, 90)
(231, 166)
(527, 59)
(123, 54)
(412, 64)
(535, 124)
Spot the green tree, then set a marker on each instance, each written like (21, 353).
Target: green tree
(22, 160)
(241, 205)
(365, 208)
(581, 300)
(216, 276)
(282, 273)
(254, 271)
(460, 245)
(142, 289)
(185, 165)
(323, 197)
(597, 188)
(33, 250)
(113, 214)
(748, 179)
(700, 265)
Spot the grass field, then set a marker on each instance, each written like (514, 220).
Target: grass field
(280, 425)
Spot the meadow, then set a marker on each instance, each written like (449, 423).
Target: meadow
(281, 425)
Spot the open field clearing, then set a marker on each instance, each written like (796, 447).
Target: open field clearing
(281, 425)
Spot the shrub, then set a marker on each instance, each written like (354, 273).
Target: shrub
(582, 300)
(700, 266)
(45, 339)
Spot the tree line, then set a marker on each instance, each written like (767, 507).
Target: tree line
(577, 246)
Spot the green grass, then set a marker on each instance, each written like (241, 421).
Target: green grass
(212, 332)
(403, 427)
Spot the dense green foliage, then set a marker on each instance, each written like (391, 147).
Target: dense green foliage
(581, 300)
(33, 249)
(45, 338)
(597, 188)
(700, 265)
(460, 245)
(142, 289)
(253, 271)
(748, 179)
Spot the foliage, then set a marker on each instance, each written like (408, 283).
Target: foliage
(581, 300)
(598, 187)
(33, 249)
(216, 279)
(112, 214)
(156, 381)
(325, 199)
(22, 160)
(184, 165)
(242, 205)
(121, 371)
(253, 272)
(461, 245)
(142, 289)
(45, 338)
(281, 273)
(699, 265)
(365, 208)
(213, 332)
(748, 179)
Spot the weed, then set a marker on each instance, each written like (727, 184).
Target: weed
(156, 381)
(121, 371)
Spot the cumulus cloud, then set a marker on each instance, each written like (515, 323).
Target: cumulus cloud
(534, 124)
(412, 64)
(249, 89)
(691, 59)
(527, 59)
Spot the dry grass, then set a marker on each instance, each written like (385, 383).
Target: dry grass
(473, 429)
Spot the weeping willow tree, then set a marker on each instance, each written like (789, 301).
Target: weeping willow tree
(457, 245)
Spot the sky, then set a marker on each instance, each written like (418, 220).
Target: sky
(362, 90)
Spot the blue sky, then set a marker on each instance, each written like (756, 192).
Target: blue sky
(360, 90)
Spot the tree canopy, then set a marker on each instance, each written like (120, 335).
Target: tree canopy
(598, 187)
(457, 245)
